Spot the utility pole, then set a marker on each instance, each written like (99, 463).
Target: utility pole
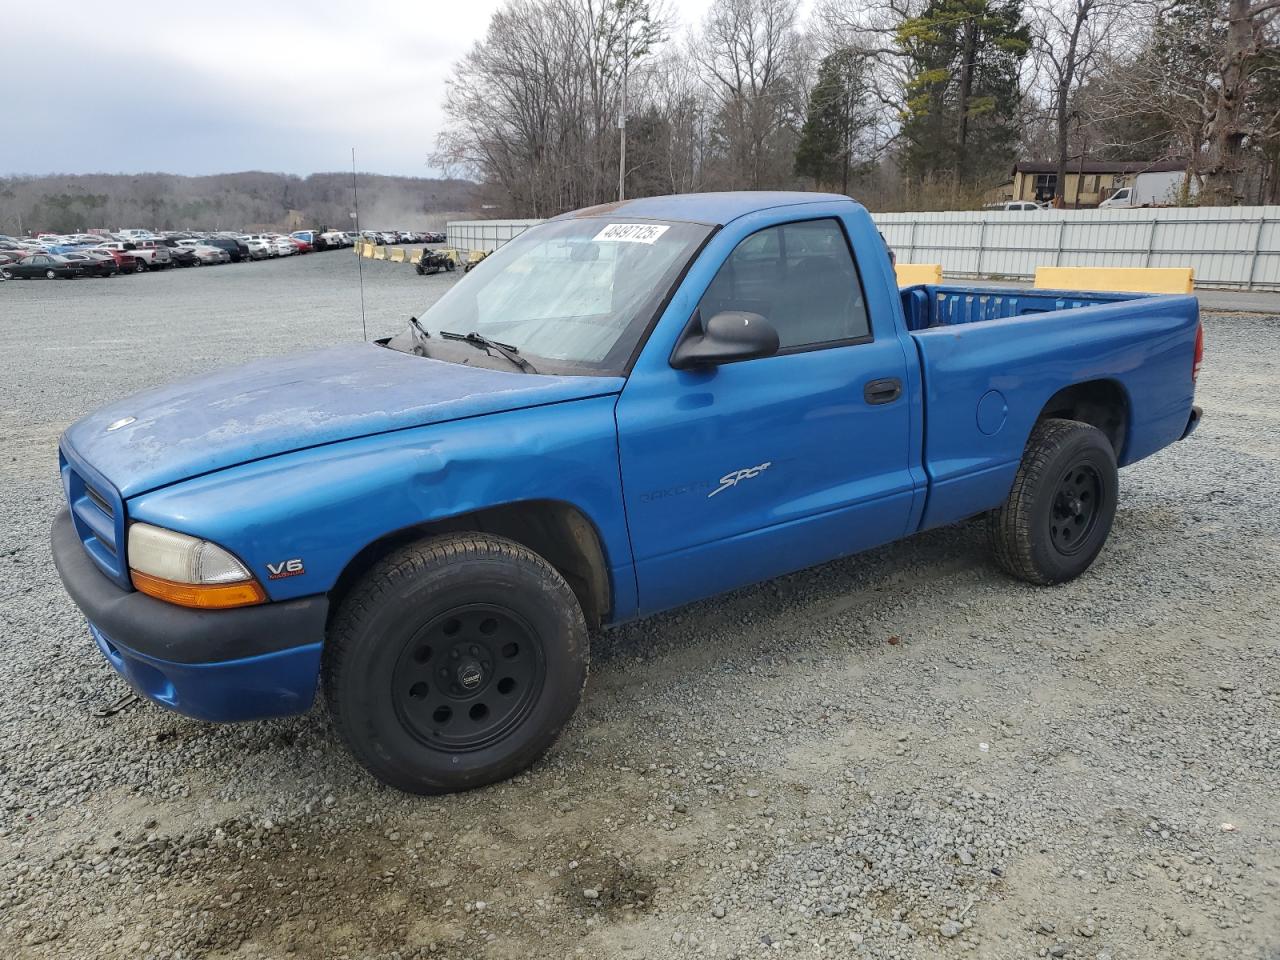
(622, 111)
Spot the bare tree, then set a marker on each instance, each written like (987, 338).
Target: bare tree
(749, 54)
(1070, 39)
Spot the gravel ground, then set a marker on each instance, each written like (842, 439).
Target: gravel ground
(902, 755)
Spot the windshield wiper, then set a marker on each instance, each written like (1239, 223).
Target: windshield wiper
(484, 343)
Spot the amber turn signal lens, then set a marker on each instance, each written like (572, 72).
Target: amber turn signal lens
(213, 596)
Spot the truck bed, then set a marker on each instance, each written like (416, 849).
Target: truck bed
(928, 306)
(992, 358)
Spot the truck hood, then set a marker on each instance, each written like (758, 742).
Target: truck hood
(275, 406)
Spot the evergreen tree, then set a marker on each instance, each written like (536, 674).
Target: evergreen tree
(838, 117)
(961, 118)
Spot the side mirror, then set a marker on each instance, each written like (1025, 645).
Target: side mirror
(728, 336)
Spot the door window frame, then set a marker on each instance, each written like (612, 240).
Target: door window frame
(870, 335)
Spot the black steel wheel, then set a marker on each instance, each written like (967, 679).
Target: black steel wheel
(1076, 507)
(455, 662)
(468, 677)
(1059, 511)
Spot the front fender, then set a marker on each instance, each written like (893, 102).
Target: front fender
(322, 505)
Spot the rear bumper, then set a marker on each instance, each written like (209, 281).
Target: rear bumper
(243, 664)
(1192, 422)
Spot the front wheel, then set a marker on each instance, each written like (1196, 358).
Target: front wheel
(1060, 509)
(455, 662)
(142, 266)
(8, 274)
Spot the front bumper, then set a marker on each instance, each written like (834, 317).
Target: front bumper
(222, 665)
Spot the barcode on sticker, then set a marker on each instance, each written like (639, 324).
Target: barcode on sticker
(632, 232)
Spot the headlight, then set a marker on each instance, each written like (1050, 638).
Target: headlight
(188, 571)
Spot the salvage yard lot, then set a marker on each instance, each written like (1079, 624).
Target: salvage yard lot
(906, 754)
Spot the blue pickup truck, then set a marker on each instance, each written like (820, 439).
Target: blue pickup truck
(627, 408)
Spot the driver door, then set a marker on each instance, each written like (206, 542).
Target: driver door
(741, 472)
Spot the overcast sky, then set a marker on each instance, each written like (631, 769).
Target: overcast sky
(213, 87)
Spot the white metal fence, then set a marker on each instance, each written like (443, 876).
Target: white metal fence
(1233, 247)
(1229, 247)
(486, 235)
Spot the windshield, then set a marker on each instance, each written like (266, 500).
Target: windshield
(577, 293)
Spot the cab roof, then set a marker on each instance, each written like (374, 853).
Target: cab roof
(713, 209)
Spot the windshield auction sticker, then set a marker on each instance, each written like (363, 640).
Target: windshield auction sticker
(632, 232)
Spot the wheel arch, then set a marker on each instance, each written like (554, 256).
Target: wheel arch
(1102, 403)
(558, 531)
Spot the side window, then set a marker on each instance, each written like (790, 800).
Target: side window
(798, 276)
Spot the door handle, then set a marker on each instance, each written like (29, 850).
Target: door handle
(886, 390)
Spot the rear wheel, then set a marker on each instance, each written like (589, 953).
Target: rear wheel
(455, 662)
(50, 274)
(1061, 507)
(141, 266)
(8, 274)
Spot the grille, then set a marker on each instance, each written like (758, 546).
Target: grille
(98, 514)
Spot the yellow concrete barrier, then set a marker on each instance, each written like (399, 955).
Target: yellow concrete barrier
(415, 256)
(1124, 279)
(911, 274)
(379, 253)
(396, 255)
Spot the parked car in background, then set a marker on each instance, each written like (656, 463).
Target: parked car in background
(236, 250)
(257, 247)
(205, 253)
(267, 242)
(302, 245)
(184, 257)
(97, 263)
(125, 262)
(312, 238)
(152, 255)
(285, 247)
(49, 265)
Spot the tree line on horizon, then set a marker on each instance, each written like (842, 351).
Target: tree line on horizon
(907, 104)
(252, 200)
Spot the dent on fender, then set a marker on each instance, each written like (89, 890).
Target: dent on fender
(326, 504)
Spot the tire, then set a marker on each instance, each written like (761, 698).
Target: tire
(142, 266)
(1061, 507)
(448, 266)
(8, 274)
(50, 274)
(426, 624)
